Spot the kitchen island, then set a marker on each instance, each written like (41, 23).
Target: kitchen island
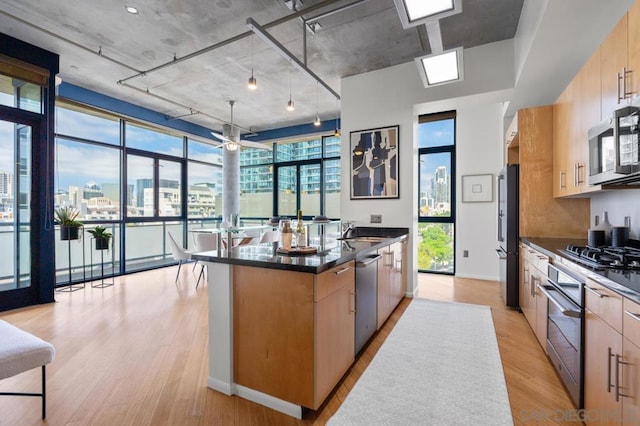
(281, 328)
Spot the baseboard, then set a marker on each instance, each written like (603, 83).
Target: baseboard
(477, 277)
(220, 386)
(269, 401)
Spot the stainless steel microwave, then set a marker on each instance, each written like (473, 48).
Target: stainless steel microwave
(614, 154)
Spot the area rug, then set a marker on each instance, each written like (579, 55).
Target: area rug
(440, 365)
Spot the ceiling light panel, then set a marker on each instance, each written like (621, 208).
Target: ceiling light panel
(417, 12)
(443, 68)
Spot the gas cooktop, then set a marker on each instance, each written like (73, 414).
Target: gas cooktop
(625, 258)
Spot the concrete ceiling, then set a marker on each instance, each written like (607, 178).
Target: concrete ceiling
(100, 44)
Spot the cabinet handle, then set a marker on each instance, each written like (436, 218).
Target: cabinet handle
(580, 181)
(596, 291)
(353, 309)
(625, 93)
(563, 183)
(619, 78)
(575, 174)
(533, 285)
(342, 271)
(609, 355)
(526, 275)
(389, 264)
(541, 257)
(619, 362)
(632, 315)
(398, 265)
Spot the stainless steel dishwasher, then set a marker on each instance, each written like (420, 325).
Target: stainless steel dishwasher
(366, 298)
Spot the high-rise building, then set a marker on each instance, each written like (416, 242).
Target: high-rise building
(6, 183)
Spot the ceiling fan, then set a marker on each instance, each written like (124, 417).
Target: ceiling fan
(233, 142)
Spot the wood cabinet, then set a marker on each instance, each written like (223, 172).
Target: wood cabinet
(633, 48)
(541, 215)
(533, 303)
(614, 68)
(392, 273)
(576, 110)
(612, 357)
(602, 342)
(335, 329)
(293, 332)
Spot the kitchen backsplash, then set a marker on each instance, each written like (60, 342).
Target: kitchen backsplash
(619, 203)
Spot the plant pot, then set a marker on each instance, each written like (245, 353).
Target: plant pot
(102, 243)
(69, 232)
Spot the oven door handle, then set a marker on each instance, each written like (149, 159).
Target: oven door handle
(566, 312)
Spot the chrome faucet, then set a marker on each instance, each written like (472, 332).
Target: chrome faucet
(348, 230)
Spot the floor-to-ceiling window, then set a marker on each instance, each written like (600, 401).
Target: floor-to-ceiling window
(436, 192)
(307, 177)
(143, 182)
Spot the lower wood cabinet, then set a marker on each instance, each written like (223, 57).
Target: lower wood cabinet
(602, 343)
(612, 357)
(392, 274)
(293, 331)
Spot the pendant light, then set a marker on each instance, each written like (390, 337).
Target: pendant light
(253, 83)
(290, 105)
(316, 121)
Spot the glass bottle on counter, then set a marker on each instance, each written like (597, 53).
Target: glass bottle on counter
(286, 235)
(301, 237)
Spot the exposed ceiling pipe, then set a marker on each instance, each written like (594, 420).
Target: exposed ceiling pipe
(192, 111)
(231, 40)
(66, 40)
(275, 44)
(312, 20)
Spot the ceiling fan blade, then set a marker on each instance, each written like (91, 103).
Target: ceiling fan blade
(251, 144)
(221, 137)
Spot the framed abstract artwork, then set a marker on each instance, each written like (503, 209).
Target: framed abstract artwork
(374, 163)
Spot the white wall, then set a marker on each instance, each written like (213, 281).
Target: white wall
(618, 203)
(396, 95)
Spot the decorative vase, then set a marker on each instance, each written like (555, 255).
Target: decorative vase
(605, 226)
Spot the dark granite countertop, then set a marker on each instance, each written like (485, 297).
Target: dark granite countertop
(624, 282)
(334, 253)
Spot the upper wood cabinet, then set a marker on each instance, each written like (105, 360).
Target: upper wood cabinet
(540, 214)
(633, 48)
(576, 110)
(615, 72)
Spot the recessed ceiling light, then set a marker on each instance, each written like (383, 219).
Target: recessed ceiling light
(441, 68)
(132, 10)
(418, 9)
(418, 12)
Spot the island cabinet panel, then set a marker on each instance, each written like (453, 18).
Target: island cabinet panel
(391, 279)
(293, 331)
(335, 330)
(274, 332)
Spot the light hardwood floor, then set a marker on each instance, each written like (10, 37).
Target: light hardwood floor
(137, 353)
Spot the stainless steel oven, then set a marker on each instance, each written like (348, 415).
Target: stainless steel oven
(565, 328)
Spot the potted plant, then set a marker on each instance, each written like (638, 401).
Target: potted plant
(102, 237)
(67, 218)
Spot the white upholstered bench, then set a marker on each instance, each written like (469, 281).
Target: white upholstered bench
(21, 351)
